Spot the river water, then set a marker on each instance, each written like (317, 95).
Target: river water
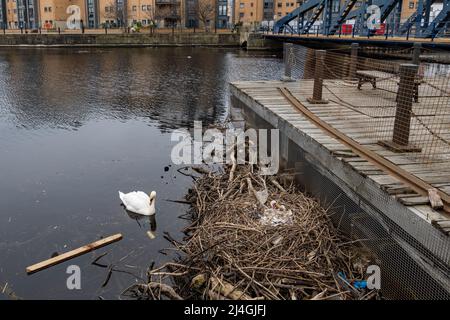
(76, 126)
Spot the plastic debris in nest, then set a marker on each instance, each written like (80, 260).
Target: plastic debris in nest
(276, 215)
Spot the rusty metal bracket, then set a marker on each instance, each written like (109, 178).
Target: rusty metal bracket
(417, 184)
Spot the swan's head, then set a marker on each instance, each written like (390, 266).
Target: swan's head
(152, 197)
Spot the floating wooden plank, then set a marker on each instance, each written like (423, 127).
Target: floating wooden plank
(72, 254)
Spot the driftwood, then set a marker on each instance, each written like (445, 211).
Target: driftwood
(220, 289)
(73, 253)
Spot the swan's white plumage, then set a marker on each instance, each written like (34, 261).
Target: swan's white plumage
(139, 202)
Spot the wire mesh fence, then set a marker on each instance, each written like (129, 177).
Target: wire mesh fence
(402, 105)
(399, 105)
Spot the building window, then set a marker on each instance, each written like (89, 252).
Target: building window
(411, 5)
(222, 10)
(335, 6)
(144, 8)
(279, 4)
(241, 15)
(251, 4)
(241, 5)
(134, 8)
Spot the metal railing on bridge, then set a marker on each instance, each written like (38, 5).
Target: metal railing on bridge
(382, 17)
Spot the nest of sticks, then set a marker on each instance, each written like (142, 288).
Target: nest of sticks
(231, 252)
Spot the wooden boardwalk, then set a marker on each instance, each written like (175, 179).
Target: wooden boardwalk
(358, 120)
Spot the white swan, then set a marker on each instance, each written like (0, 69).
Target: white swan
(139, 202)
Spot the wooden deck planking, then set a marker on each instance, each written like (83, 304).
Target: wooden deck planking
(358, 123)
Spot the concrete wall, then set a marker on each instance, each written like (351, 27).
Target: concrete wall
(179, 39)
(257, 41)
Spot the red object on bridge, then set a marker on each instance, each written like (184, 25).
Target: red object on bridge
(381, 30)
(347, 29)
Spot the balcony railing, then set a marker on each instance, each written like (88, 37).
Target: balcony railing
(174, 2)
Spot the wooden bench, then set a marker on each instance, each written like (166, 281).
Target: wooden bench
(372, 76)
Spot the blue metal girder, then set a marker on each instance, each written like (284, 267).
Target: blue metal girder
(305, 7)
(343, 13)
(416, 17)
(439, 22)
(408, 23)
(317, 11)
(387, 8)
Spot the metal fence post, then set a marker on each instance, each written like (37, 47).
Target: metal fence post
(416, 53)
(353, 59)
(288, 58)
(318, 78)
(403, 113)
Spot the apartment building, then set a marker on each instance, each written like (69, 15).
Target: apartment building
(169, 12)
(283, 7)
(142, 11)
(219, 13)
(248, 11)
(52, 14)
(19, 13)
(56, 13)
(255, 11)
(410, 6)
(2, 15)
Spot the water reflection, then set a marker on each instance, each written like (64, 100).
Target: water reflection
(77, 126)
(141, 221)
(160, 84)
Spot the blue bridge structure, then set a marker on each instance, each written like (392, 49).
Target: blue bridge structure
(323, 17)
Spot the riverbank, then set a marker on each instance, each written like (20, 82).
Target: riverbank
(121, 40)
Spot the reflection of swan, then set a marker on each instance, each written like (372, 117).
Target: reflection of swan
(139, 202)
(152, 221)
(151, 232)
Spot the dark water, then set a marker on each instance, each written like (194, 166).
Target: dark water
(76, 126)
